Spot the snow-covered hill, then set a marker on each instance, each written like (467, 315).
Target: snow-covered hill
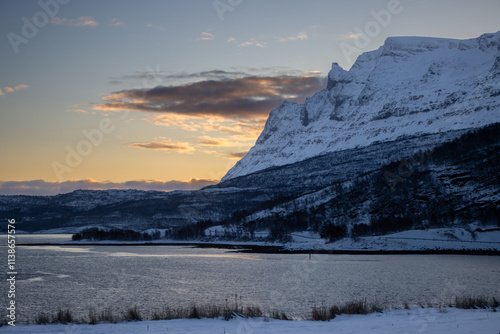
(409, 86)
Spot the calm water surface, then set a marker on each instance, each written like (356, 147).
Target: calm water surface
(98, 277)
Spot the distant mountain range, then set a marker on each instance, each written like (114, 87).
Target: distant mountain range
(408, 138)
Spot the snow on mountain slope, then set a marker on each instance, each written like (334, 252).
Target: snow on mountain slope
(410, 85)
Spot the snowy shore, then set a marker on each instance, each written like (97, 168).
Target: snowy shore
(416, 320)
(441, 240)
(412, 240)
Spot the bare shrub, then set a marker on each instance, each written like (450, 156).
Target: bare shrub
(42, 319)
(132, 314)
(107, 315)
(64, 317)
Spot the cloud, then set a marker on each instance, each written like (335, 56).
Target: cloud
(12, 89)
(41, 187)
(237, 155)
(157, 77)
(82, 21)
(18, 87)
(312, 73)
(231, 39)
(349, 35)
(226, 110)
(207, 141)
(154, 26)
(236, 140)
(160, 77)
(165, 146)
(253, 42)
(78, 108)
(115, 82)
(116, 23)
(243, 97)
(239, 130)
(299, 37)
(205, 36)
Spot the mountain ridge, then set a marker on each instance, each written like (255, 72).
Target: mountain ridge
(410, 85)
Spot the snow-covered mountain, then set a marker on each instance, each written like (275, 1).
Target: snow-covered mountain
(407, 139)
(409, 86)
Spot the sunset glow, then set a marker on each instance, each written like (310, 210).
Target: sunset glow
(169, 95)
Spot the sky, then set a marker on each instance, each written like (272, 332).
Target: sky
(166, 95)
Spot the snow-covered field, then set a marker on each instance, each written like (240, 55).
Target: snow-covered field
(416, 320)
(440, 238)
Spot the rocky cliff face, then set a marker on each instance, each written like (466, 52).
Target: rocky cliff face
(409, 86)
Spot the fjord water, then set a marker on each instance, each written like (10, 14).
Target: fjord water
(151, 277)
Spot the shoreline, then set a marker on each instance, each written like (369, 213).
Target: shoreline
(430, 320)
(236, 310)
(272, 249)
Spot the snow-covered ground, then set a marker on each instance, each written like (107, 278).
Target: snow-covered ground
(441, 238)
(412, 240)
(416, 320)
(430, 239)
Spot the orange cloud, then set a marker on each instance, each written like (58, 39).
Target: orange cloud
(349, 35)
(207, 141)
(227, 110)
(253, 42)
(13, 89)
(301, 36)
(249, 129)
(228, 141)
(237, 155)
(205, 36)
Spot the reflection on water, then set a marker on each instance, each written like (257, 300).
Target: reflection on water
(232, 256)
(91, 249)
(60, 249)
(37, 238)
(98, 277)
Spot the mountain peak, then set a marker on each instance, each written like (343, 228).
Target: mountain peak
(408, 86)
